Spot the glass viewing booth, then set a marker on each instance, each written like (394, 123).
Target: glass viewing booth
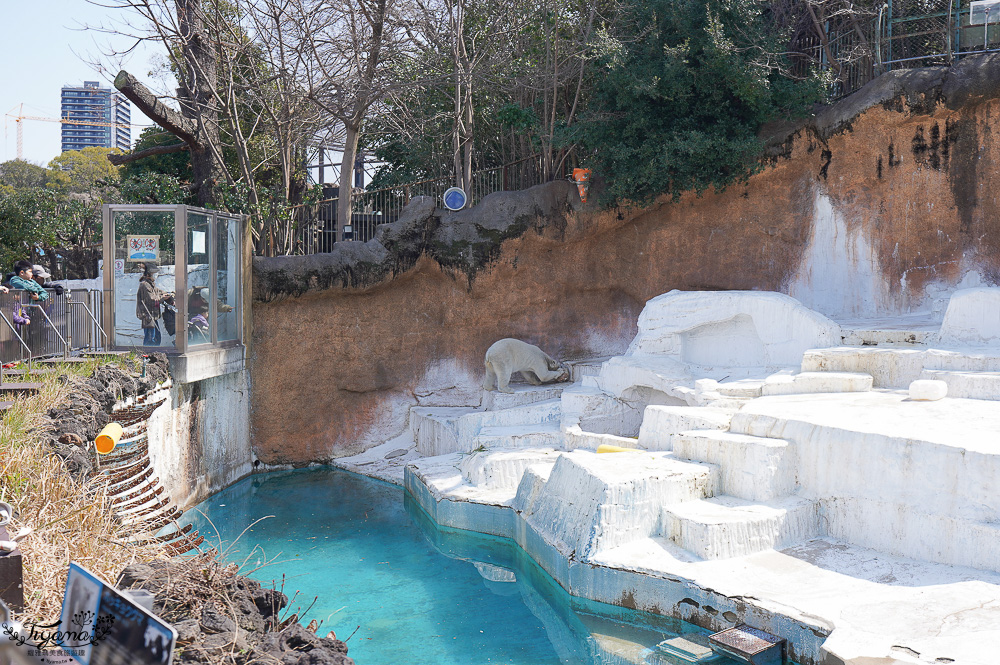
(195, 260)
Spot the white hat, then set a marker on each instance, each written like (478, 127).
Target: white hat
(40, 271)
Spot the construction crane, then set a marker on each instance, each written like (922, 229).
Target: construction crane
(19, 119)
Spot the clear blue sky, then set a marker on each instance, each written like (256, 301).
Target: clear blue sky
(44, 46)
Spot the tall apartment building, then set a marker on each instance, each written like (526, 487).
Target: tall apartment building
(93, 103)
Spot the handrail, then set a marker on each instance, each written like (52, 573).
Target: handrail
(107, 338)
(54, 329)
(19, 339)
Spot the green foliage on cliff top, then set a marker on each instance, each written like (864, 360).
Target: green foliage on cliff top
(679, 101)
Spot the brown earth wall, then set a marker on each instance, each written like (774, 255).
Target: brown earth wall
(335, 370)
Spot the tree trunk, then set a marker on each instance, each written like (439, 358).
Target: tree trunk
(352, 132)
(197, 100)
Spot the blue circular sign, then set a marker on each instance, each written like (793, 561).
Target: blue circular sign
(455, 198)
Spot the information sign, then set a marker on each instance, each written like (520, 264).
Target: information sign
(100, 626)
(143, 248)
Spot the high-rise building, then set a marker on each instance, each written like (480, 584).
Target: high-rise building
(91, 102)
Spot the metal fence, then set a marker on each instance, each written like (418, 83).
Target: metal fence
(58, 326)
(917, 33)
(856, 42)
(371, 209)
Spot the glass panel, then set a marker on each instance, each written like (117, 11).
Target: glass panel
(199, 283)
(144, 315)
(227, 269)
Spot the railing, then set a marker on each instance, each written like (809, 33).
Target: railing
(371, 209)
(59, 326)
(865, 41)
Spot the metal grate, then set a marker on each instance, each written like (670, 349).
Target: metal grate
(746, 640)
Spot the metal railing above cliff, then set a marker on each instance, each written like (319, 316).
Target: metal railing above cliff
(316, 232)
(856, 42)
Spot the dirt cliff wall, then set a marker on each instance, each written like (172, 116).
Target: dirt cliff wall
(880, 205)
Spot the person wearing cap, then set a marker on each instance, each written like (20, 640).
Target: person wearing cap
(42, 277)
(24, 279)
(147, 305)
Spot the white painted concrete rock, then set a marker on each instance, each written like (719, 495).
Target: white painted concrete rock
(972, 317)
(731, 329)
(928, 389)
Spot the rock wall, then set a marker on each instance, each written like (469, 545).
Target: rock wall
(880, 205)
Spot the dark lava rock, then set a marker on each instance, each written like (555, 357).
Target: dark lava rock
(223, 617)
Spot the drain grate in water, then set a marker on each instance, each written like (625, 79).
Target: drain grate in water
(751, 645)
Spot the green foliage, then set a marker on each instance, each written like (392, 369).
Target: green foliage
(28, 220)
(81, 171)
(679, 101)
(176, 164)
(154, 188)
(19, 174)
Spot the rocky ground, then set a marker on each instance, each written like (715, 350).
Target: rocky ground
(73, 425)
(223, 617)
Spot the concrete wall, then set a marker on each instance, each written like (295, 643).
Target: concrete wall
(198, 440)
(885, 214)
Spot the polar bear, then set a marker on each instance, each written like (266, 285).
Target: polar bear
(507, 356)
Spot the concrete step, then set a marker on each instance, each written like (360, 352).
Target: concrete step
(593, 410)
(21, 388)
(443, 430)
(585, 367)
(972, 385)
(725, 526)
(660, 423)
(495, 401)
(817, 382)
(503, 468)
(591, 502)
(750, 467)
(547, 435)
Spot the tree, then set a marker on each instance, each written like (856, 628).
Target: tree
(680, 99)
(82, 171)
(20, 174)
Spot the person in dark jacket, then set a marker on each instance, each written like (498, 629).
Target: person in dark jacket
(147, 305)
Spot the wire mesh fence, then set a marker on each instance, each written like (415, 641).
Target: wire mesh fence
(60, 325)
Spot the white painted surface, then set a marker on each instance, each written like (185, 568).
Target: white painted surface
(839, 274)
(731, 329)
(928, 389)
(972, 318)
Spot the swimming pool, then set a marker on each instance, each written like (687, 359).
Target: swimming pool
(420, 594)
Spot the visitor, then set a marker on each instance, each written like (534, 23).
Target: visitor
(147, 305)
(42, 277)
(24, 279)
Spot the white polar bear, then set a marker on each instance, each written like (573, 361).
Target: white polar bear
(507, 356)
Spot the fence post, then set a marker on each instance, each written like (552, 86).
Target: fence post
(68, 346)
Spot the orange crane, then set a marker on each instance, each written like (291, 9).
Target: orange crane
(19, 118)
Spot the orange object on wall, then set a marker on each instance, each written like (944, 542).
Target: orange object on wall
(582, 179)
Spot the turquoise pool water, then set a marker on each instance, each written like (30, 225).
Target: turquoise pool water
(420, 594)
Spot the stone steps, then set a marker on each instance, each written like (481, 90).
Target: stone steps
(520, 436)
(503, 468)
(660, 423)
(589, 502)
(968, 384)
(816, 382)
(523, 395)
(750, 467)
(443, 430)
(725, 526)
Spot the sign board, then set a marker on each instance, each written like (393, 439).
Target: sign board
(984, 11)
(103, 627)
(119, 266)
(455, 198)
(143, 248)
